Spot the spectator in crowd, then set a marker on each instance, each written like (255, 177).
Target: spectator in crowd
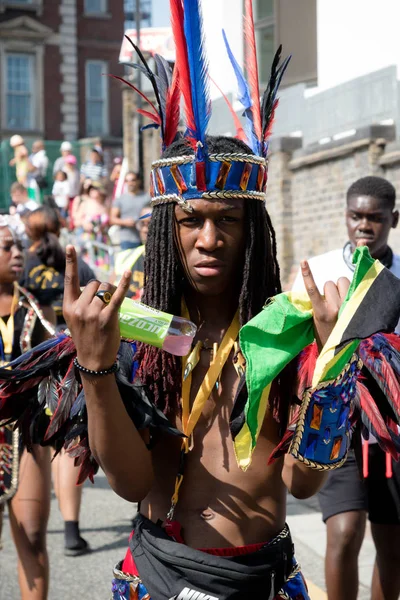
(20, 160)
(39, 163)
(65, 150)
(60, 192)
(94, 168)
(346, 499)
(44, 277)
(76, 203)
(115, 174)
(126, 210)
(133, 259)
(72, 171)
(20, 203)
(92, 209)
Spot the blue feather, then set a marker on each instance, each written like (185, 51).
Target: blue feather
(244, 97)
(198, 67)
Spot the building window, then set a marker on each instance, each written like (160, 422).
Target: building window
(96, 98)
(264, 23)
(19, 91)
(95, 7)
(130, 13)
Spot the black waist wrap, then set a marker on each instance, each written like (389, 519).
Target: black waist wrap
(173, 571)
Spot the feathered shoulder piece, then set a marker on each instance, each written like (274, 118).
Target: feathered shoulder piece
(41, 394)
(198, 173)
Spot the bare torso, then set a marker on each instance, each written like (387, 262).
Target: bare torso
(219, 505)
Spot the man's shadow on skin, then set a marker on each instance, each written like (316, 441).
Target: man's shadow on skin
(230, 505)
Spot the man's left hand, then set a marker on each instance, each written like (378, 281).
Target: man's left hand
(326, 307)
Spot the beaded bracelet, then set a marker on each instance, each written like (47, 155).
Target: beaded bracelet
(109, 371)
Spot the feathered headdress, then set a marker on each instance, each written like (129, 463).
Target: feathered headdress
(203, 174)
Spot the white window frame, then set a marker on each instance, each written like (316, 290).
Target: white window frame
(34, 100)
(31, 5)
(105, 99)
(103, 8)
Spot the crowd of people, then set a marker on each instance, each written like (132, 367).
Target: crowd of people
(32, 258)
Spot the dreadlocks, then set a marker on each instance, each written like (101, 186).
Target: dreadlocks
(164, 276)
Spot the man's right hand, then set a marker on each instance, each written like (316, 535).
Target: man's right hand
(130, 222)
(93, 324)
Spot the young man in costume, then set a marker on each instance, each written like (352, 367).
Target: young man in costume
(211, 255)
(346, 498)
(207, 529)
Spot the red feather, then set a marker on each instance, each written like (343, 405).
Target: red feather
(240, 133)
(306, 368)
(149, 115)
(172, 109)
(268, 131)
(368, 405)
(251, 66)
(136, 90)
(182, 63)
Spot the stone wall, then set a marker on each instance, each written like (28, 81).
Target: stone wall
(307, 188)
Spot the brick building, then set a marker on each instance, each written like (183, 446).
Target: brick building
(52, 57)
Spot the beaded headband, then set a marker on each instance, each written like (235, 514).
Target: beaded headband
(204, 174)
(226, 176)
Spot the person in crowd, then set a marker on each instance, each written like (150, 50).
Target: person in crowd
(91, 214)
(20, 202)
(77, 202)
(20, 160)
(38, 164)
(94, 168)
(45, 260)
(347, 497)
(133, 259)
(60, 192)
(59, 163)
(115, 174)
(126, 209)
(44, 277)
(29, 500)
(72, 171)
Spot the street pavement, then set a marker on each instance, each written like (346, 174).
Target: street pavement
(105, 521)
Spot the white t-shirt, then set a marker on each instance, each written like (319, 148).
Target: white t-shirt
(331, 266)
(60, 192)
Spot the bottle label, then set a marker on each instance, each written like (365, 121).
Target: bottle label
(143, 323)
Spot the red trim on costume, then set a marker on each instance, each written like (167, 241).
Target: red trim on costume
(129, 565)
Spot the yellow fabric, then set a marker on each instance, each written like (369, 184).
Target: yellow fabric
(191, 417)
(327, 355)
(125, 260)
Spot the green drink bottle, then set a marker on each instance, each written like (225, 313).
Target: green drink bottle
(145, 324)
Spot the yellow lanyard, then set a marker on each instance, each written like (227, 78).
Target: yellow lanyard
(7, 329)
(191, 417)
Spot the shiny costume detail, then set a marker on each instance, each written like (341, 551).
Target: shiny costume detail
(128, 584)
(131, 587)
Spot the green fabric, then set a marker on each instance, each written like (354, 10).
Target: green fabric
(280, 332)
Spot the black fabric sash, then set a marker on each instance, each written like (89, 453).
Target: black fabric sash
(173, 571)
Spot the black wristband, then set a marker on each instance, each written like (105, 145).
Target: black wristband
(109, 371)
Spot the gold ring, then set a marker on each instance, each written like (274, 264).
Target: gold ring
(104, 296)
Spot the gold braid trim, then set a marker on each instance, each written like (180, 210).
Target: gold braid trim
(226, 194)
(14, 468)
(298, 434)
(222, 195)
(228, 157)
